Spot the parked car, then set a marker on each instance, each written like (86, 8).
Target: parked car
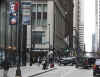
(96, 68)
(84, 61)
(67, 60)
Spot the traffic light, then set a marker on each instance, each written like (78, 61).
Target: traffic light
(66, 50)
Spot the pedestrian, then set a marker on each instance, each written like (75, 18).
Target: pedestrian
(39, 60)
(6, 68)
(44, 64)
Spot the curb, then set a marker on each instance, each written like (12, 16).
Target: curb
(42, 72)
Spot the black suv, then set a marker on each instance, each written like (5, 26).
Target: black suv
(84, 62)
(96, 67)
(67, 60)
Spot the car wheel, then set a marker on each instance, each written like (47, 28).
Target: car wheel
(72, 64)
(76, 66)
(64, 64)
(94, 74)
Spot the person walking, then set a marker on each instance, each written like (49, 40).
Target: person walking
(6, 68)
(39, 60)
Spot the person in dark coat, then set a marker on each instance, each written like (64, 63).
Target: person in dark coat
(6, 68)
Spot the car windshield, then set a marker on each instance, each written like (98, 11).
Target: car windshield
(97, 61)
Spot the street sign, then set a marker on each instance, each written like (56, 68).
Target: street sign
(13, 20)
(26, 12)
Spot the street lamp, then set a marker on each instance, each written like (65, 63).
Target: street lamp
(49, 37)
(18, 71)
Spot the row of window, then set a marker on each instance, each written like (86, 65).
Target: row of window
(39, 17)
(39, 14)
(39, 8)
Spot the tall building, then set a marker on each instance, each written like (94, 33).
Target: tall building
(68, 8)
(40, 26)
(97, 44)
(2, 29)
(78, 25)
(48, 25)
(93, 42)
(8, 33)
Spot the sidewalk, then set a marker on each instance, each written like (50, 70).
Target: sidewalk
(27, 71)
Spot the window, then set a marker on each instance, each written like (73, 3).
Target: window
(39, 7)
(2, 56)
(44, 7)
(45, 14)
(33, 18)
(39, 14)
(38, 18)
(37, 37)
(44, 17)
(34, 8)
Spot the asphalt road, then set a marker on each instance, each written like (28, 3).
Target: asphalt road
(68, 71)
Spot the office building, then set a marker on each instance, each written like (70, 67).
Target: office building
(48, 26)
(97, 33)
(78, 25)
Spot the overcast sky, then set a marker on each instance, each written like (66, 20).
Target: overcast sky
(89, 22)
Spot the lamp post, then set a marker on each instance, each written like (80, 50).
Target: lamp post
(49, 37)
(18, 71)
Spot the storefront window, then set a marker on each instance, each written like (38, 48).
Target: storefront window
(37, 37)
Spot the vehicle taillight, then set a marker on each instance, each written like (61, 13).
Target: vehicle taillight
(86, 62)
(94, 67)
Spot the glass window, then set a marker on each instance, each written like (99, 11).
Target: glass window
(34, 8)
(33, 18)
(38, 18)
(39, 7)
(37, 37)
(44, 14)
(43, 37)
(44, 7)
(2, 56)
(44, 21)
(44, 18)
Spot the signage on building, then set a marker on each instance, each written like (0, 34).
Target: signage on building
(27, 3)
(26, 20)
(13, 12)
(26, 12)
(13, 20)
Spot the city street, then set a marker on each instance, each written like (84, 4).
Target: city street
(68, 71)
(39, 37)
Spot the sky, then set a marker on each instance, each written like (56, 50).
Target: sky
(89, 23)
